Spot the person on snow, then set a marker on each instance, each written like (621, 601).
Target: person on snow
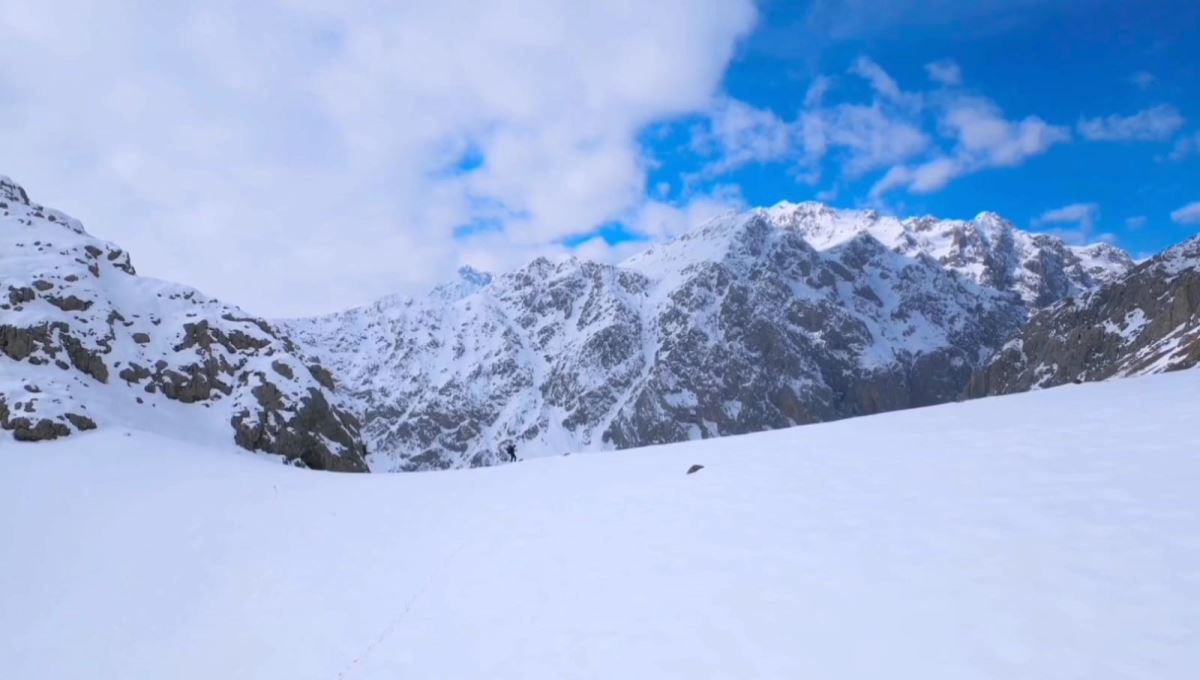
(510, 450)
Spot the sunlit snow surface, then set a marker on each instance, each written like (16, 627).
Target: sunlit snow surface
(1054, 534)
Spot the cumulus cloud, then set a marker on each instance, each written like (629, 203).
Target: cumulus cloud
(1150, 125)
(1188, 214)
(1136, 222)
(246, 147)
(945, 72)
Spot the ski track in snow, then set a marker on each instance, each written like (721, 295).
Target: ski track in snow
(390, 629)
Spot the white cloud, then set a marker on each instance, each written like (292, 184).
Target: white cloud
(895, 178)
(815, 95)
(879, 79)
(242, 147)
(1188, 214)
(1185, 146)
(1080, 218)
(740, 133)
(1075, 213)
(886, 133)
(934, 175)
(660, 219)
(1136, 222)
(1150, 125)
(883, 84)
(990, 140)
(866, 136)
(946, 72)
(871, 137)
(983, 138)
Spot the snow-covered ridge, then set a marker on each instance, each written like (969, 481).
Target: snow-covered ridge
(774, 317)
(86, 343)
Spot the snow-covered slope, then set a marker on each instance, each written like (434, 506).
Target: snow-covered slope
(1147, 321)
(1044, 535)
(775, 317)
(85, 342)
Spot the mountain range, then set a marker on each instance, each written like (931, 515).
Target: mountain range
(759, 320)
(773, 317)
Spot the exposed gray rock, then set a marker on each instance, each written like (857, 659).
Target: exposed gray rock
(282, 369)
(81, 423)
(322, 376)
(216, 360)
(69, 303)
(27, 430)
(1146, 322)
(303, 436)
(17, 296)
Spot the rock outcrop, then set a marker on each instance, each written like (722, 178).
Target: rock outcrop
(1147, 321)
(85, 343)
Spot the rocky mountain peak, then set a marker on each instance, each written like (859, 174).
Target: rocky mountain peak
(12, 192)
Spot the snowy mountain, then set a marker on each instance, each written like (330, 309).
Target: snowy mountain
(1147, 321)
(86, 343)
(1040, 268)
(794, 314)
(1040, 536)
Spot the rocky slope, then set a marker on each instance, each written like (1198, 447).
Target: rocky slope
(1147, 321)
(85, 343)
(776, 317)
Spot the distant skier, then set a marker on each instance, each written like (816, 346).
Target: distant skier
(510, 450)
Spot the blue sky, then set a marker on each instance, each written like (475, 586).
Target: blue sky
(302, 157)
(1061, 62)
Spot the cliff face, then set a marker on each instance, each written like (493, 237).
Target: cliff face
(1147, 321)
